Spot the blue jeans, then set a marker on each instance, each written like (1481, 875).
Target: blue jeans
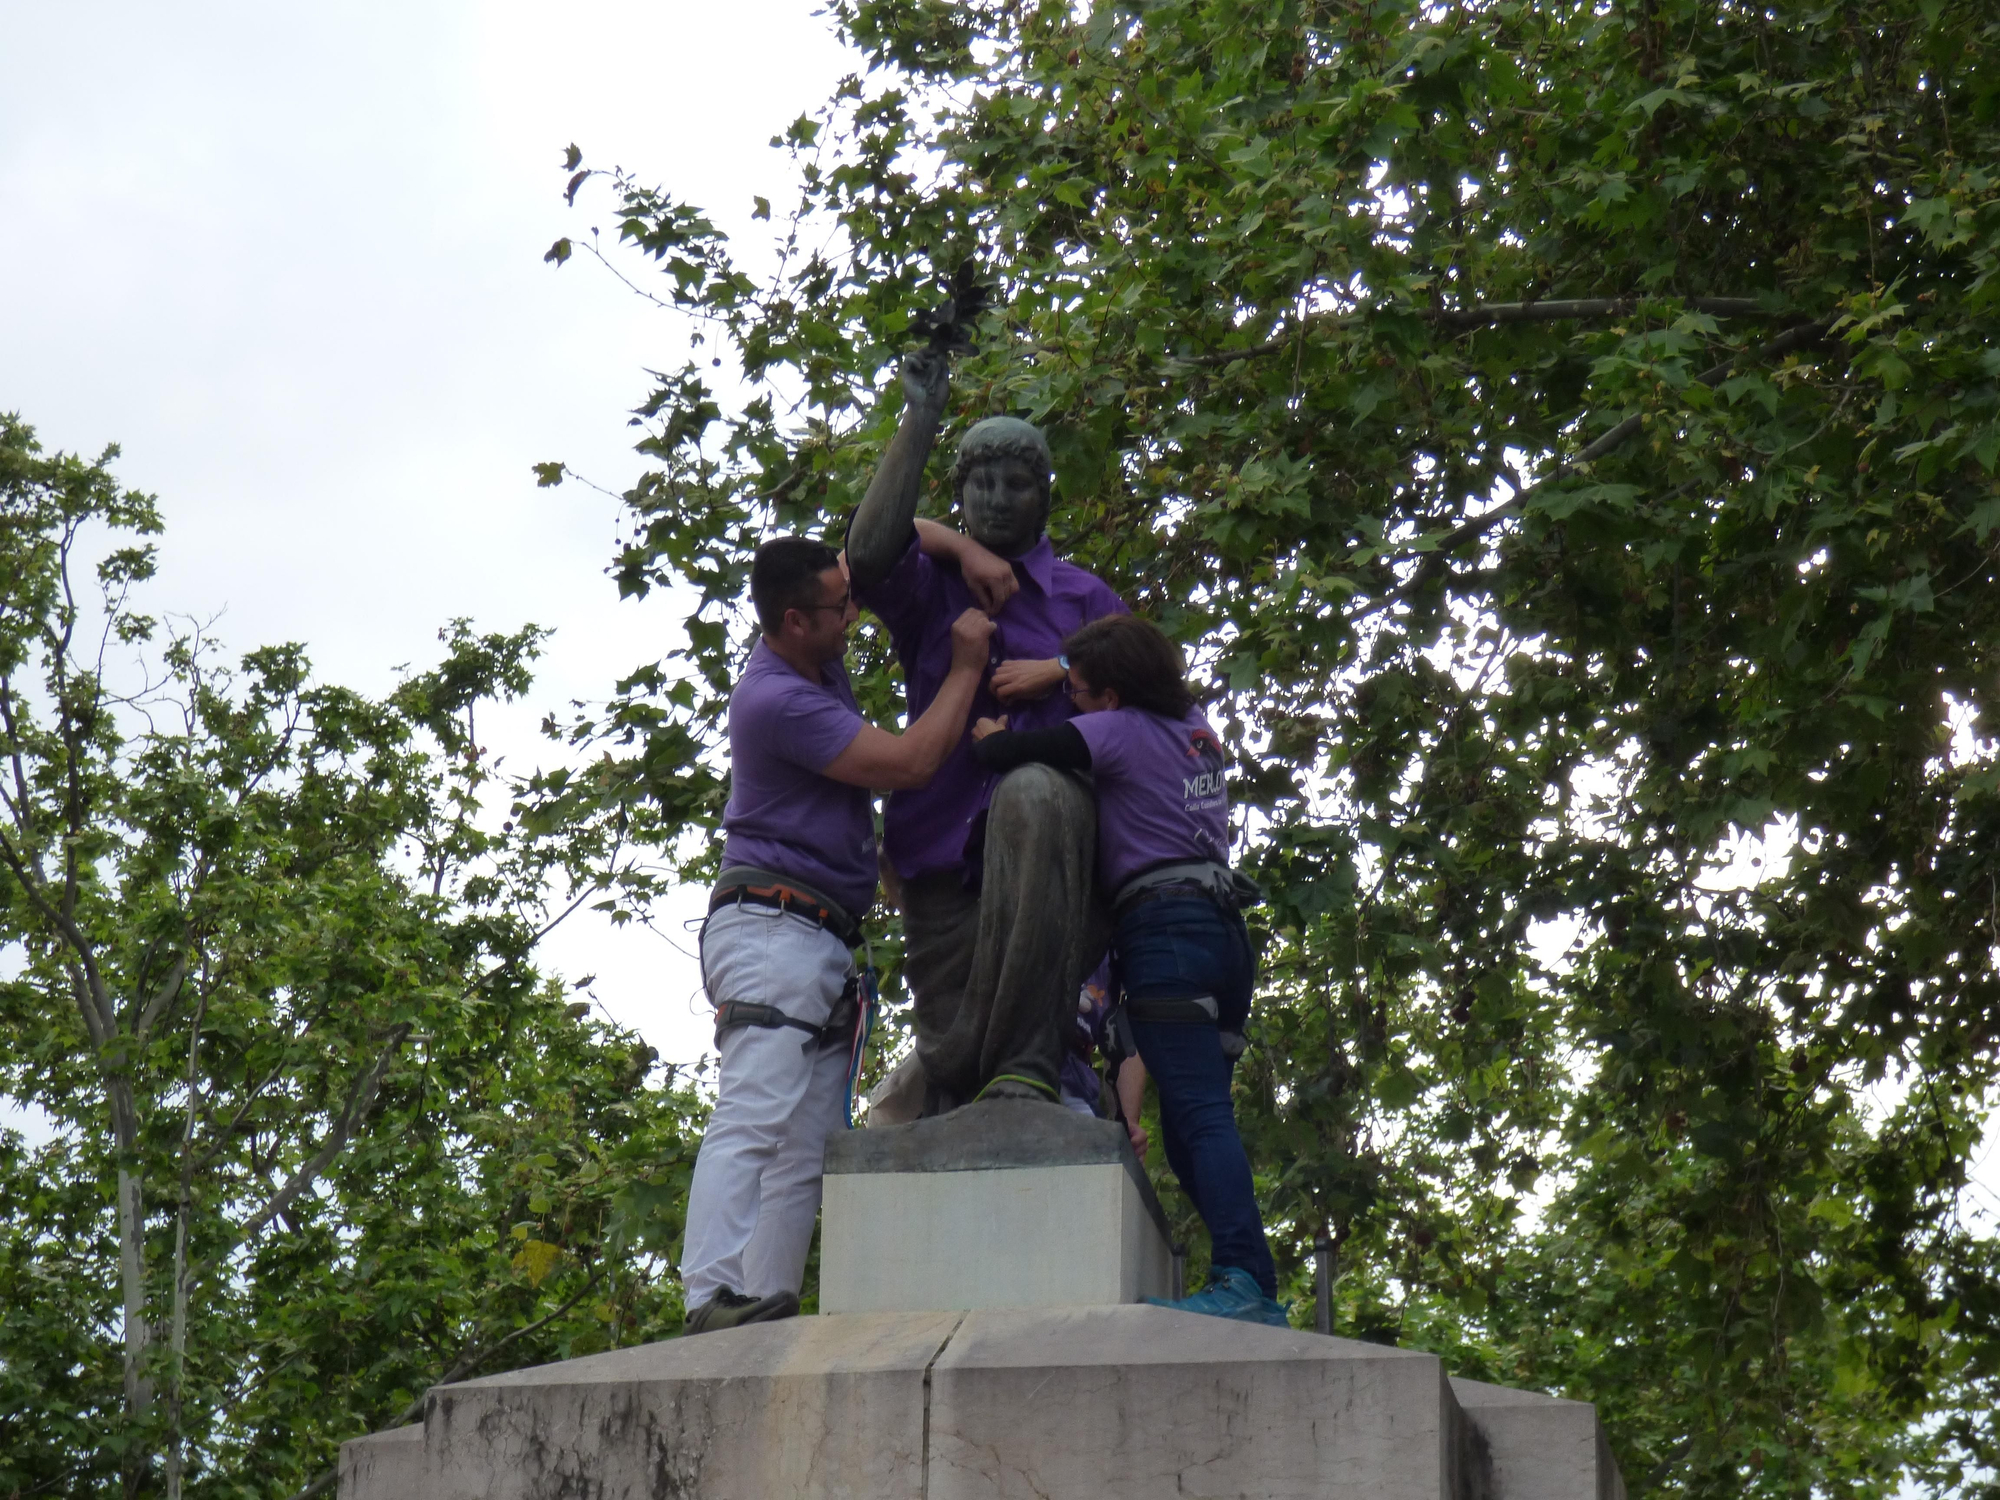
(1175, 948)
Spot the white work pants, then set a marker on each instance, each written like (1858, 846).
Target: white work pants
(779, 1096)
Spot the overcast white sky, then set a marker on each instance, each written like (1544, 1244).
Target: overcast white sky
(291, 259)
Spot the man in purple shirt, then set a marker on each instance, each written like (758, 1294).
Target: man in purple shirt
(999, 909)
(798, 875)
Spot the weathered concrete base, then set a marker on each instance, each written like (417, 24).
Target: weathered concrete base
(1114, 1402)
(384, 1463)
(954, 1363)
(810, 1406)
(1131, 1403)
(1540, 1445)
(1009, 1203)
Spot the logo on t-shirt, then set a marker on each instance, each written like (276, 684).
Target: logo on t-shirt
(1207, 786)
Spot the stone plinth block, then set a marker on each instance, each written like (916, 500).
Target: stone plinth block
(1539, 1446)
(823, 1407)
(1120, 1403)
(386, 1465)
(1008, 1203)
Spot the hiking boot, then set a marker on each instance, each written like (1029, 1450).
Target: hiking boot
(1231, 1293)
(731, 1309)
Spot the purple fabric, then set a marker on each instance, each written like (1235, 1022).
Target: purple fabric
(1093, 1009)
(925, 829)
(1161, 794)
(783, 815)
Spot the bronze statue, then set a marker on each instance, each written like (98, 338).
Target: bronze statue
(999, 908)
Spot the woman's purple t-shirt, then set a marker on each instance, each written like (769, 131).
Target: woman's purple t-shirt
(783, 815)
(1161, 793)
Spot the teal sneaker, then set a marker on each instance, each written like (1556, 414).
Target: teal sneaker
(1231, 1293)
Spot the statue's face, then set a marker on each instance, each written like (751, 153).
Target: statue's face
(1003, 505)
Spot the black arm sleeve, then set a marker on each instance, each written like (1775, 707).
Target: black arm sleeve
(1062, 747)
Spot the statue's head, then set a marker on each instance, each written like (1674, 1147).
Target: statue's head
(1001, 482)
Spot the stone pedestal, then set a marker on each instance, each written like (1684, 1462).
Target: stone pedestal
(980, 1343)
(1102, 1403)
(1539, 1445)
(1009, 1203)
(387, 1466)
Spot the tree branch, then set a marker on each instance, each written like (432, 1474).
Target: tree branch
(1482, 315)
(321, 1481)
(1783, 344)
(790, 482)
(1486, 314)
(474, 1358)
(162, 998)
(224, 1135)
(99, 1018)
(360, 1099)
(20, 806)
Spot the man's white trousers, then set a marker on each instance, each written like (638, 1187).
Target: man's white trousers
(779, 1095)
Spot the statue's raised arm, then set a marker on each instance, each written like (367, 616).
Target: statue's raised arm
(880, 531)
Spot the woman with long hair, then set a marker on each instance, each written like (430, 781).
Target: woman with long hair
(1181, 950)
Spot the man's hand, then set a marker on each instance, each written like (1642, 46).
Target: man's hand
(984, 727)
(1137, 1134)
(989, 575)
(926, 381)
(893, 762)
(1022, 681)
(970, 633)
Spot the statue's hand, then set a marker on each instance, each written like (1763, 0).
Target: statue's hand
(983, 727)
(926, 381)
(988, 575)
(1021, 681)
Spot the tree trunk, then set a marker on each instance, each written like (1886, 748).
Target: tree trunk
(132, 1276)
(177, 1330)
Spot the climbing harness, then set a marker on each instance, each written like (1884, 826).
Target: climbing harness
(746, 885)
(1232, 890)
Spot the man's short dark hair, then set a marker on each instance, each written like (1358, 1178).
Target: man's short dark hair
(1135, 657)
(785, 575)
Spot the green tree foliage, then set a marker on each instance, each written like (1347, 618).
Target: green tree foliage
(1565, 437)
(321, 1135)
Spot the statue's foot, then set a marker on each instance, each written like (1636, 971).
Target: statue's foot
(1009, 1086)
(939, 1100)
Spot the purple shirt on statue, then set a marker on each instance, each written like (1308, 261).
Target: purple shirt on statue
(925, 828)
(1161, 792)
(783, 815)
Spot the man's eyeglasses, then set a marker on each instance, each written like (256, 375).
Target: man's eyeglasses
(1072, 691)
(840, 604)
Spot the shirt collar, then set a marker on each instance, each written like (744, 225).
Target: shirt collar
(1039, 563)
